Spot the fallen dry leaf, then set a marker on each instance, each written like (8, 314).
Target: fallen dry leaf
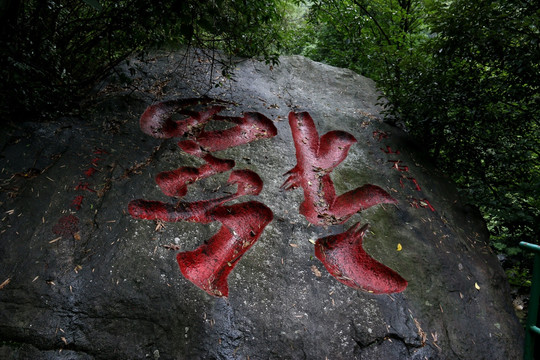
(172, 247)
(421, 332)
(4, 284)
(435, 338)
(316, 271)
(159, 225)
(55, 240)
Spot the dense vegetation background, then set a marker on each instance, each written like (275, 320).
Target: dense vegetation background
(462, 75)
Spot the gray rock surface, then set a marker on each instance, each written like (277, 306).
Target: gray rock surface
(113, 290)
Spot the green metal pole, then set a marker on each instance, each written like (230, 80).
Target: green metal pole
(532, 317)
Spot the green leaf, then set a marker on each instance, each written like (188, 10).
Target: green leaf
(93, 3)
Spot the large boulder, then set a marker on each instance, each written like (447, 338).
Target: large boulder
(85, 276)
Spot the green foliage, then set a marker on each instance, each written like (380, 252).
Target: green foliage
(240, 28)
(482, 123)
(519, 277)
(93, 3)
(475, 104)
(464, 76)
(54, 52)
(370, 37)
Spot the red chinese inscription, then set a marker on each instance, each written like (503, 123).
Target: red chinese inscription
(344, 258)
(316, 158)
(174, 183)
(342, 254)
(69, 225)
(209, 265)
(242, 224)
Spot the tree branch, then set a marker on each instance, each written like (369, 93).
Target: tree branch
(372, 17)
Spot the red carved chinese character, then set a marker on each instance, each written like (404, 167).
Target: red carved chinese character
(249, 183)
(417, 186)
(77, 202)
(89, 172)
(424, 203)
(316, 158)
(341, 254)
(84, 186)
(174, 183)
(346, 260)
(69, 224)
(209, 265)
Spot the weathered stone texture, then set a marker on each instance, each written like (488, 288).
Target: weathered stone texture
(114, 291)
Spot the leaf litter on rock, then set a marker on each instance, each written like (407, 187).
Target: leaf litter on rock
(55, 240)
(5, 283)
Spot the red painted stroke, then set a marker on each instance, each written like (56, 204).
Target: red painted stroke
(99, 151)
(174, 183)
(379, 135)
(417, 186)
(252, 126)
(316, 158)
(66, 226)
(84, 186)
(90, 171)
(397, 166)
(347, 261)
(249, 183)
(428, 204)
(389, 150)
(424, 203)
(209, 265)
(360, 199)
(157, 119)
(77, 202)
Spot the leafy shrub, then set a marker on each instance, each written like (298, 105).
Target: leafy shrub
(484, 115)
(464, 76)
(480, 80)
(54, 52)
